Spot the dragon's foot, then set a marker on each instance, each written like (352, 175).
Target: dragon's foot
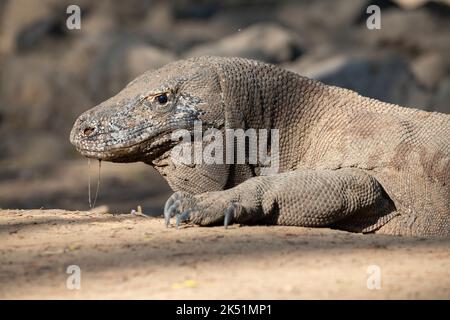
(209, 208)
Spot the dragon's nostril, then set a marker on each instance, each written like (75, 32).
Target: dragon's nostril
(88, 131)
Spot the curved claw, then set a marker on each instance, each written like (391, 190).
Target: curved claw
(168, 203)
(229, 215)
(171, 210)
(183, 217)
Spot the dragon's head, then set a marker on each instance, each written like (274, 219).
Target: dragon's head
(137, 123)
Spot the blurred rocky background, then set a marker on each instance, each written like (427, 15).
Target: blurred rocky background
(49, 74)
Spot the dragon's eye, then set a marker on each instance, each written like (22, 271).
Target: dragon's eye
(162, 98)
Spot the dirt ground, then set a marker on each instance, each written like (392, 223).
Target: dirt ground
(128, 256)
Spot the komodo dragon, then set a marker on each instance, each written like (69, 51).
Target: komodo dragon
(345, 161)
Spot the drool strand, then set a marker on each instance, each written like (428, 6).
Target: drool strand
(89, 183)
(98, 182)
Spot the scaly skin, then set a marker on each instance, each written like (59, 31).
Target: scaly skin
(345, 161)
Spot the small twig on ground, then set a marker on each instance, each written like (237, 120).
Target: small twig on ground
(139, 212)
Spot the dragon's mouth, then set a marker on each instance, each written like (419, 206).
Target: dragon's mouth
(144, 150)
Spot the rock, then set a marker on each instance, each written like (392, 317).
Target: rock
(195, 10)
(398, 32)
(159, 20)
(120, 61)
(25, 25)
(141, 57)
(413, 4)
(384, 77)
(309, 17)
(266, 42)
(127, 12)
(429, 69)
(441, 101)
(15, 19)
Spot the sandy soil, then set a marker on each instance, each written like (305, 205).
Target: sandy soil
(127, 256)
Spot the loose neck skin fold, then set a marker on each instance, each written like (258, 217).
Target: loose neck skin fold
(262, 96)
